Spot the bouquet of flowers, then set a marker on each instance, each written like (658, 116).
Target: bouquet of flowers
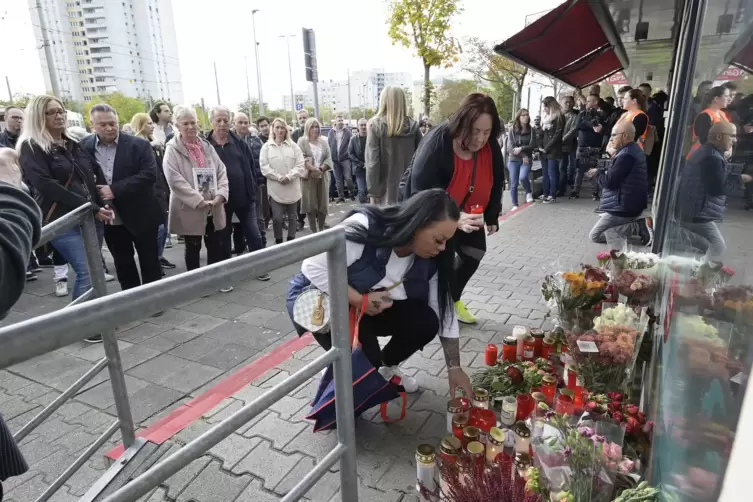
(575, 294)
(734, 302)
(510, 379)
(638, 430)
(465, 482)
(646, 263)
(574, 461)
(639, 289)
(602, 358)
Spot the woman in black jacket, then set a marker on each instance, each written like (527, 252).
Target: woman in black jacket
(64, 176)
(520, 145)
(553, 124)
(462, 157)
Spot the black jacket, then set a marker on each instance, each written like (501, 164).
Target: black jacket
(342, 154)
(356, 154)
(7, 139)
(434, 164)
(701, 184)
(134, 176)
(161, 188)
(551, 143)
(48, 173)
(20, 228)
(625, 184)
(570, 133)
(251, 169)
(587, 137)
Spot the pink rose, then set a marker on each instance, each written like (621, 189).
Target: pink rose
(728, 271)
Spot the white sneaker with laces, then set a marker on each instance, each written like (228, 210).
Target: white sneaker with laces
(109, 277)
(61, 289)
(529, 197)
(409, 383)
(227, 289)
(514, 208)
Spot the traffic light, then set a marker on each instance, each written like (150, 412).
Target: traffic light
(309, 55)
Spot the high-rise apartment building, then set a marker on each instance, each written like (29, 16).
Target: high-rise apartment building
(103, 46)
(365, 89)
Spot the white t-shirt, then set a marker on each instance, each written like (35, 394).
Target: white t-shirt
(315, 269)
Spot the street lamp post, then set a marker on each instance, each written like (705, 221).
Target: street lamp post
(290, 73)
(258, 65)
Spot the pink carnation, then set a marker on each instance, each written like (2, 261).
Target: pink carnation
(604, 255)
(728, 271)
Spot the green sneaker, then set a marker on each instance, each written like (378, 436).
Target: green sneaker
(463, 314)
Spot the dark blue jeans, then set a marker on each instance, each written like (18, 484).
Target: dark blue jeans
(518, 173)
(550, 171)
(568, 166)
(249, 224)
(360, 174)
(70, 245)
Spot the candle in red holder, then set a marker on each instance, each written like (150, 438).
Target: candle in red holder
(449, 449)
(572, 378)
(549, 388)
(510, 349)
(579, 398)
(525, 407)
(484, 420)
(538, 398)
(490, 355)
(477, 209)
(538, 338)
(564, 404)
(459, 423)
(547, 346)
(529, 348)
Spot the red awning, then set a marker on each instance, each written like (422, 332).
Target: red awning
(741, 53)
(576, 43)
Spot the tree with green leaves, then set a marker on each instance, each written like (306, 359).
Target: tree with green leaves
(19, 100)
(485, 64)
(251, 108)
(424, 25)
(124, 106)
(449, 97)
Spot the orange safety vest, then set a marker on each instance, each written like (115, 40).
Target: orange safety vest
(716, 116)
(628, 116)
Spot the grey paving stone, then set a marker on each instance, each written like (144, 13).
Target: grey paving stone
(316, 445)
(438, 385)
(232, 449)
(143, 331)
(95, 352)
(213, 484)
(150, 400)
(17, 406)
(273, 428)
(257, 316)
(368, 494)
(206, 306)
(101, 396)
(76, 440)
(213, 352)
(231, 311)
(201, 324)
(32, 391)
(268, 464)
(255, 493)
(530, 323)
(223, 410)
(174, 372)
(95, 421)
(289, 406)
(180, 480)
(192, 431)
(54, 428)
(247, 335)
(431, 366)
(254, 421)
(27, 491)
(429, 401)
(323, 490)
(249, 393)
(83, 479)
(173, 318)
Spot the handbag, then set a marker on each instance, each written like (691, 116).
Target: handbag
(311, 310)
(370, 388)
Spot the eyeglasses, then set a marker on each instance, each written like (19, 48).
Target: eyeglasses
(52, 113)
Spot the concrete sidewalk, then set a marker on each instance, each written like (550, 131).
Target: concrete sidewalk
(178, 356)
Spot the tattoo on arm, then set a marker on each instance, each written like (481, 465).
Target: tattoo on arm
(451, 348)
(376, 304)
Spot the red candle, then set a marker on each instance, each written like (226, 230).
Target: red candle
(564, 404)
(547, 345)
(510, 349)
(477, 209)
(525, 406)
(579, 398)
(490, 355)
(572, 378)
(549, 388)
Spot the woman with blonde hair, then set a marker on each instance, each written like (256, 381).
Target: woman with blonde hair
(199, 189)
(64, 177)
(143, 127)
(282, 163)
(391, 141)
(553, 125)
(314, 183)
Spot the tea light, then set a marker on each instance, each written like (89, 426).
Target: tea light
(522, 437)
(495, 445)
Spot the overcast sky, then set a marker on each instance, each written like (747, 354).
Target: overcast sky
(349, 35)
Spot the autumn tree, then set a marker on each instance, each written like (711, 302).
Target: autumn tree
(482, 62)
(449, 97)
(251, 108)
(19, 99)
(424, 25)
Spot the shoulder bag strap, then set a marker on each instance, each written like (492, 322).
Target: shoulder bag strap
(67, 184)
(473, 181)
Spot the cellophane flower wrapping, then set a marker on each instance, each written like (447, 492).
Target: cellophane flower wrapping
(575, 459)
(604, 355)
(572, 296)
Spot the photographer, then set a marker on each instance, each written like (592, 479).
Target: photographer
(590, 126)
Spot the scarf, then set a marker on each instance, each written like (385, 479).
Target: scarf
(196, 153)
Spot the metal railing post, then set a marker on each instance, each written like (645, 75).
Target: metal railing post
(343, 373)
(115, 366)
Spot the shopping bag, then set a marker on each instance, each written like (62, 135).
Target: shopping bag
(370, 388)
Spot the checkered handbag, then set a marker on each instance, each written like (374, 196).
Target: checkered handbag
(311, 310)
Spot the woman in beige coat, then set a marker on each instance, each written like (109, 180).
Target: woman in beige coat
(391, 140)
(315, 183)
(281, 162)
(195, 211)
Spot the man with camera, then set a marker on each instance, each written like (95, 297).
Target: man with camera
(590, 126)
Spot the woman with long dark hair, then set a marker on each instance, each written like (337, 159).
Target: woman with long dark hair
(713, 105)
(401, 259)
(553, 125)
(634, 104)
(520, 145)
(462, 156)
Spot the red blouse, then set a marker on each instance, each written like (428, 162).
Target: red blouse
(482, 186)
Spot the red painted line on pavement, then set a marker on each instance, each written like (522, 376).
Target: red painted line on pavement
(183, 416)
(513, 213)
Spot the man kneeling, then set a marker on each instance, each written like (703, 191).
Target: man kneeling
(625, 189)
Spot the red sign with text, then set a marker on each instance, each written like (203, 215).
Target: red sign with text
(731, 73)
(617, 79)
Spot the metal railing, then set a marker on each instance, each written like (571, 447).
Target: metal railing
(30, 338)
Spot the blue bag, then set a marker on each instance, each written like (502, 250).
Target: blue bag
(369, 387)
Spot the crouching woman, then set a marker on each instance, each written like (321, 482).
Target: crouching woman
(397, 257)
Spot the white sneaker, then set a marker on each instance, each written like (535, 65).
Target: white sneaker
(409, 383)
(514, 208)
(227, 289)
(61, 288)
(109, 277)
(529, 197)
